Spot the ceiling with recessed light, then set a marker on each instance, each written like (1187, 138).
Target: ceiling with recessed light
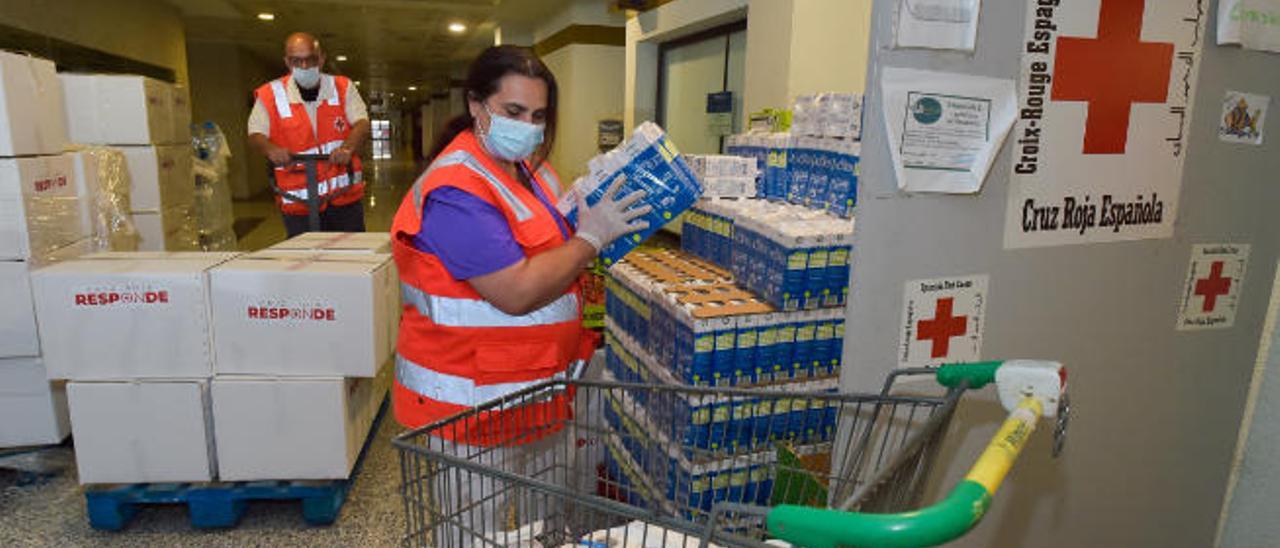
(389, 45)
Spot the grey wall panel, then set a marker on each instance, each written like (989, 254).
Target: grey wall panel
(1156, 410)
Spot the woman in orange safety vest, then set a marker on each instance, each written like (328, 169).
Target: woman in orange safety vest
(489, 274)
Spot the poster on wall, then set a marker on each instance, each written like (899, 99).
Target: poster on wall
(1254, 24)
(1106, 94)
(944, 129)
(938, 24)
(1211, 294)
(942, 320)
(1243, 115)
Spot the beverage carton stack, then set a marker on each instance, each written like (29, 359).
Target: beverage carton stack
(679, 320)
(148, 120)
(724, 176)
(196, 367)
(40, 224)
(815, 164)
(647, 161)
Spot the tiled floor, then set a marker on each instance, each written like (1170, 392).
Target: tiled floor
(52, 512)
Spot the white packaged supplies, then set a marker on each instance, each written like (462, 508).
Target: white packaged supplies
(270, 428)
(31, 117)
(33, 411)
(102, 183)
(160, 177)
(337, 242)
(309, 314)
(121, 316)
(18, 335)
(39, 209)
(142, 431)
(117, 109)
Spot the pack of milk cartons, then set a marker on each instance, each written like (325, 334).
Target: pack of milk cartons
(647, 161)
(149, 121)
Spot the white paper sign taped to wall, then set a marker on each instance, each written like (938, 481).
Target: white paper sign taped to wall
(944, 128)
(1254, 24)
(943, 320)
(1212, 291)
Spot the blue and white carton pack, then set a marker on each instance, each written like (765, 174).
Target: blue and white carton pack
(647, 161)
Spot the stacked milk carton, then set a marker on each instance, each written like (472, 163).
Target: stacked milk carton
(793, 257)
(149, 121)
(816, 163)
(40, 224)
(647, 161)
(199, 366)
(674, 319)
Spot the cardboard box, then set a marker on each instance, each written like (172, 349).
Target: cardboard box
(180, 113)
(337, 242)
(31, 117)
(160, 177)
(135, 432)
(309, 314)
(126, 318)
(171, 229)
(33, 411)
(117, 109)
(293, 428)
(18, 334)
(39, 209)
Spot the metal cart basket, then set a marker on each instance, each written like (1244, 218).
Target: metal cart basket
(692, 466)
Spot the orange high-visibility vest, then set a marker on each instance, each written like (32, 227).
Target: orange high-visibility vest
(455, 349)
(291, 129)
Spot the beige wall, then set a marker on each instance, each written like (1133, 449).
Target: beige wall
(223, 77)
(591, 83)
(145, 30)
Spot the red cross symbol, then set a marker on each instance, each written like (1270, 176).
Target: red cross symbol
(1112, 72)
(1212, 287)
(942, 327)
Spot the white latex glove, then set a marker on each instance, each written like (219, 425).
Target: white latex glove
(610, 218)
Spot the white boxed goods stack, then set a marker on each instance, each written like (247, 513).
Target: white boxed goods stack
(149, 121)
(40, 224)
(31, 118)
(724, 176)
(305, 336)
(130, 332)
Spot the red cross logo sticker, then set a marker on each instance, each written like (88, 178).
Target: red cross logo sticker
(1213, 287)
(1111, 73)
(942, 328)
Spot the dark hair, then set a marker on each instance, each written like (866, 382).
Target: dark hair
(482, 82)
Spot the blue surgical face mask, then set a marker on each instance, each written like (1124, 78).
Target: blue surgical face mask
(306, 77)
(509, 139)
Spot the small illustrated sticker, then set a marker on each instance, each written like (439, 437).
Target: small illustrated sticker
(942, 320)
(1212, 290)
(1242, 117)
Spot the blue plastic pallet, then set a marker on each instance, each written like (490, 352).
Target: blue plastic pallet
(221, 505)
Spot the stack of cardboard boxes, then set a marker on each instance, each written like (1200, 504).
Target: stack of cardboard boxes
(149, 121)
(40, 224)
(204, 366)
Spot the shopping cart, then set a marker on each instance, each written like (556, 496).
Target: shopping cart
(315, 196)
(691, 466)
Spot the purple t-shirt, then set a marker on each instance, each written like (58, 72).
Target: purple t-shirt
(470, 236)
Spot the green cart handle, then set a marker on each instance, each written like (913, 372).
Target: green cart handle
(965, 506)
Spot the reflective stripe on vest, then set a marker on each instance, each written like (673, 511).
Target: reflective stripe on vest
(324, 148)
(455, 312)
(551, 179)
(456, 390)
(333, 101)
(465, 158)
(282, 99)
(332, 184)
